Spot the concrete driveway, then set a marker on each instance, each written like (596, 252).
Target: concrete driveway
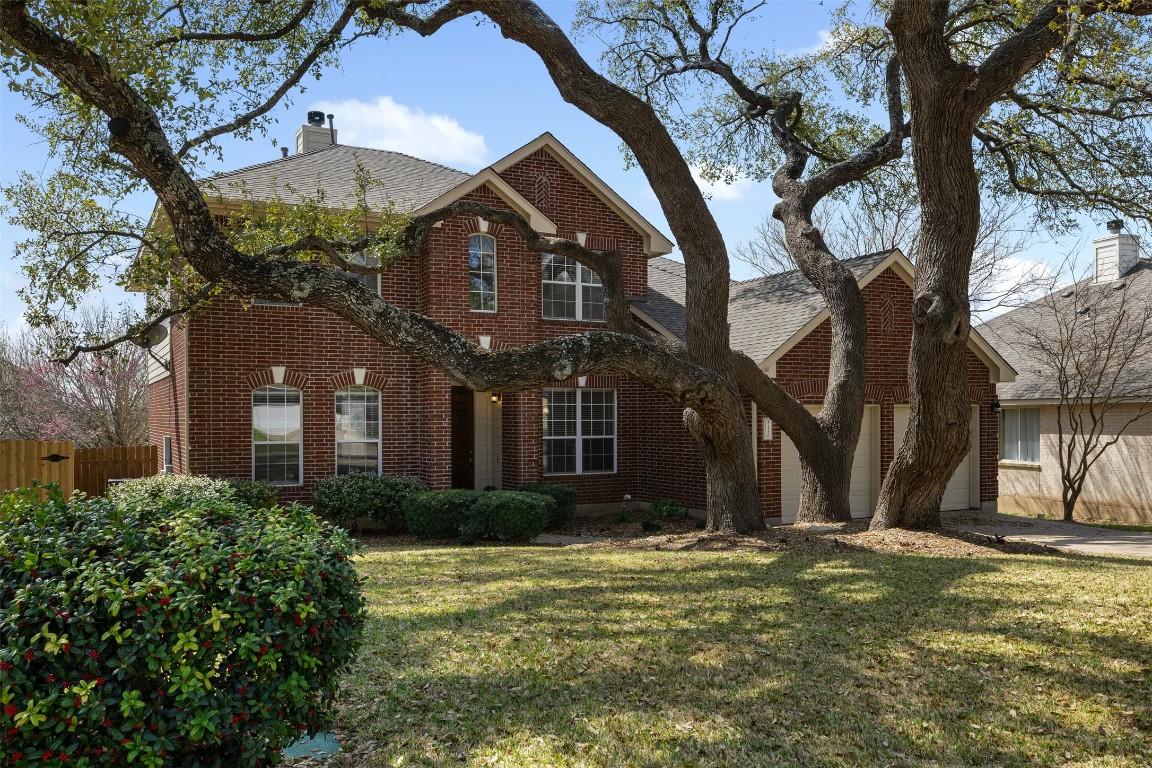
(1055, 533)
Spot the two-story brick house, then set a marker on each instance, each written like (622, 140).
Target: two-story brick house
(293, 394)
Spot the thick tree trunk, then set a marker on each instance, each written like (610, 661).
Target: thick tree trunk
(824, 489)
(725, 440)
(942, 124)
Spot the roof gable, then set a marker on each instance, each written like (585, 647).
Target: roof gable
(655, 242)
(770, 315)
(535, 217)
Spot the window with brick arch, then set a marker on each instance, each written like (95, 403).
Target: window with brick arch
(570, 291)
(579, 431)
(482, 273)
(357, 430)
(277, 434)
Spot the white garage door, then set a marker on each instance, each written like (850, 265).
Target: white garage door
(962, 487)
(861, 492)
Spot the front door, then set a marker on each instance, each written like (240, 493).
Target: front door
(463, 438)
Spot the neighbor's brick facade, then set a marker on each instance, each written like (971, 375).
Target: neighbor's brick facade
(222, 353)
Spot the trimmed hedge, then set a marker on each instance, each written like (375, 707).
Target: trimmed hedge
(439, 514)
(184, 630)
(507, 516)
(563, 498)
(378, 498)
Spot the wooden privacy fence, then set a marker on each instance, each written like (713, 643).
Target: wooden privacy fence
(96, 466)
(81, 469)
(22, 461)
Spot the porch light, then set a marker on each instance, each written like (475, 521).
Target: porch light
(994, 406)
(495, 397)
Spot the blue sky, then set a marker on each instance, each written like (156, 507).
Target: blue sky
(464, 97)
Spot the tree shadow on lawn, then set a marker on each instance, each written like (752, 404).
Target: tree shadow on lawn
(817, 659)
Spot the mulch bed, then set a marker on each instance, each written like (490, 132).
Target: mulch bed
(625, 531)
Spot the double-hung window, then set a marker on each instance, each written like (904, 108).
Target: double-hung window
(482, 273)
(570, 291)
(1020, 434)
(277, 435)
(371, 281)
(357, 430)
(579, 431)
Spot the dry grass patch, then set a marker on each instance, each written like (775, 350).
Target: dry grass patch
(833, 656)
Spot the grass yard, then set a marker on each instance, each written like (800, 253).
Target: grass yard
(538, 657)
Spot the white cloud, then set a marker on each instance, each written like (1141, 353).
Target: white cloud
(1011, 282)
(721, 190)
(385, 124)
(823, 36)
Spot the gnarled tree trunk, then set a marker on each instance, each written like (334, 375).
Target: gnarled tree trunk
(725, 440)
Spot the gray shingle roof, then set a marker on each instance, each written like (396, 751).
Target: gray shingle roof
(407, 182)
(763, 313)
(1008, 334)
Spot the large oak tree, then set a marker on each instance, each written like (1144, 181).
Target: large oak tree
(135, 92)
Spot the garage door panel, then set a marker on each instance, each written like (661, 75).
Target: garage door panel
(958, 492)
(860, 493)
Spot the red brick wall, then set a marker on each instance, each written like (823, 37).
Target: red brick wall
(233, 347)
(166, 399)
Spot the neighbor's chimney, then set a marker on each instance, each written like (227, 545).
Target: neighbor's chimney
(1116, 253)
(315, 135)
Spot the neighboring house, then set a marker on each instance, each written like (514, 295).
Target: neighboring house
(1119, 485)
(293, 394)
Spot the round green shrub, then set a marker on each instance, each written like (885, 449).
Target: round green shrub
(258, 494)
(439, 514)
(563, 498)
(170, 631)
(377, 498)
(506, 516)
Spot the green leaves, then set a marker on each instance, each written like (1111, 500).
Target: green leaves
(170, 625)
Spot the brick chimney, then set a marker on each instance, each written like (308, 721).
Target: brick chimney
(315, 135)
(1116, 253)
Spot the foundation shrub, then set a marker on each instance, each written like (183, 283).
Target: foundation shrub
(180, 630)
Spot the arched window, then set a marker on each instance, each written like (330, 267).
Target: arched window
(482, 273)
(357, 430)
(277, 434)
(570, 291)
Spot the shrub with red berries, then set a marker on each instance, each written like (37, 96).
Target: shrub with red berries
(180, 630)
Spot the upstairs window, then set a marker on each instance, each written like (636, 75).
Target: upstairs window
(482, 273)
(1020, 435)
(357, 430)
(571, 291)
(277, 435)
(366, 259)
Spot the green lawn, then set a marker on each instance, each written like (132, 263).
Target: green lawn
(535, 657)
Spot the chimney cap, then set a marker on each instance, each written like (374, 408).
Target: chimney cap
(1114, 226)
(316, 117)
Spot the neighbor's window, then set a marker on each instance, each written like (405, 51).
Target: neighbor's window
(1020, 434)
(571, 291)
(482, 273)
(579, 431)
(357, 430)
(276, 435)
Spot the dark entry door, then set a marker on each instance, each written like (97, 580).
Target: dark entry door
(463, 438)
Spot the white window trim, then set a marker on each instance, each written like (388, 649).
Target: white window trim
(579, 284)
(362, 258)
(1015, 460)
(495, 276)
(300, 442)
(578, 437)
(379, 435)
